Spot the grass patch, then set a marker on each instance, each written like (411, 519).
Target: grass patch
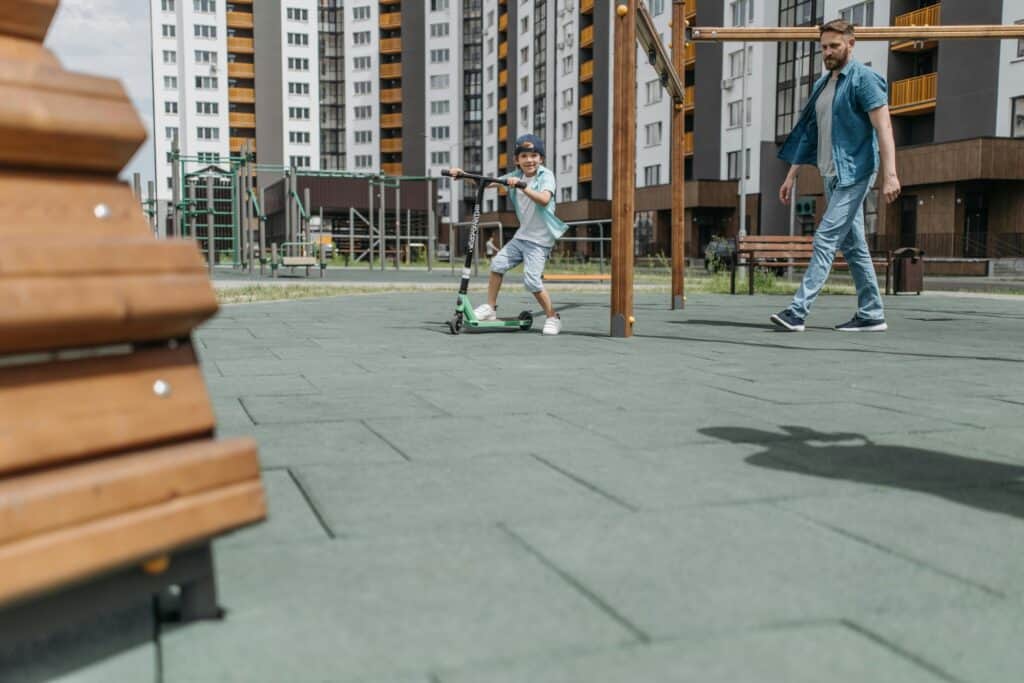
(252, 294)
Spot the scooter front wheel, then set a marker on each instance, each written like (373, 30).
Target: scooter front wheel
(455, 324)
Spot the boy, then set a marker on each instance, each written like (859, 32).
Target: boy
(532, 191)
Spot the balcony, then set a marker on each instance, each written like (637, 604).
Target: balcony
(503, 105)
(690, 55)
(391, 20)
(392, 70)
(586, 138)
(391, 169)
(587, 7)
(391, 120)
(913, 96)
(587, 105)
(240, 45)
(241, 95)
(241, 120)
(503, 133)
(236, 144)
(586, 172)
(926, 16)
(587, 36)
(240, 20)
(503, 79)
(241, 70)
(688, 144)
(503, 22)
(503, 50)
(391, 145)
(689, 97)
(503, 161)
(391, 46)
(587, 71)
(391, 2)
(391, 95)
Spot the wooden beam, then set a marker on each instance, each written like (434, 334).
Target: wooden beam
(678, 171)
(27, 18)
(657, 55)
(812, 33)
(623, 167)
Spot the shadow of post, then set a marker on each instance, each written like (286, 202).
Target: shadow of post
(854, 457)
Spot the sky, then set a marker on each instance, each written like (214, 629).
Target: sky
(110, 38)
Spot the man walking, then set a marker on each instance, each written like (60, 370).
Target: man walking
(841, 130)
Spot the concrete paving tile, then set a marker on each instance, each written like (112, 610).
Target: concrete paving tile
(289, 518)
(268, 385)
(844, 417)
(702, 571)
(974, 533)
(232, 420)
(808, 654)
(362, 609)
(276, 366)
(980, 645)
(319, 408)
(321, 443)
(359, 500)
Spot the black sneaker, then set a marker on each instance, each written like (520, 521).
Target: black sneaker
(788, 321)
(861, 325)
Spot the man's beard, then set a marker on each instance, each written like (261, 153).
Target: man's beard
(836, 63)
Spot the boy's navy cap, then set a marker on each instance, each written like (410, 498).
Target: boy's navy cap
(529, 143)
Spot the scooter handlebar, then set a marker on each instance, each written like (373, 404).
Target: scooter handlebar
(472, 176)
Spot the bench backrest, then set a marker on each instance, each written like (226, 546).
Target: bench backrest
(107, 448)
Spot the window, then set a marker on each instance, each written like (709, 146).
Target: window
(652, 133)
(440, 107)
(566, 163)
(736, 62)
(566, 194)
(298, 64)
(170, 57)
(363, 87)
(567, 130)
(657, 7)
(567, 97)
(490, 19)
(438, 5)
(296, 14)
(364, 161)
(299, 161)
(205, 31)
(206, 82)
(208, 157)
(524, 55)
(440, 158)
(298, 88)
(490, 154)
(438, 30)
(167, 5)
(524, 25)
(300, 39)
(362, 63)
(439, 82)
(208, 6)
(524, 84)
(490, 126)
(440, 56)
(167, 30)
(490, 72)
(361, 37)
(171, 132)
(861, 14)
(735, 113)
(490, 99)
(207, 108)
(742, 12)
(298, 138)
(733, 162)
(524, 113)
(204, 133)
(653, 92)
(567, 65)
(364, 112)
(652, 175)
(170, 107)
(206, 57)
(490, 46)
(364, 137)
(440, 132)
(1017, 122)
(170, 82)
(361, 13)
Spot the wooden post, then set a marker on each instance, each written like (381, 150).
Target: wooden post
(623, 167)
(678, 171)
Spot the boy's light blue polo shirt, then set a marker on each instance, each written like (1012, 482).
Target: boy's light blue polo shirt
(543, 180)
(854, 142)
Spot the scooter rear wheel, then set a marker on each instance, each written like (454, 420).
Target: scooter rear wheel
(525, 320)
(455, 324)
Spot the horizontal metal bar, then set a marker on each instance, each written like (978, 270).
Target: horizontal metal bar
(812, 33)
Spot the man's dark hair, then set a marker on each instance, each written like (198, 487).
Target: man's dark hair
(840, 26)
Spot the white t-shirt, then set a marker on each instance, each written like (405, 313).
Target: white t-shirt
(532, 227)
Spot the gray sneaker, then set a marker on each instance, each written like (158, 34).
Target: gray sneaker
(856, 324)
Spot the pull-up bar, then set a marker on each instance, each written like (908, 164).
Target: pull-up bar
(798, 33)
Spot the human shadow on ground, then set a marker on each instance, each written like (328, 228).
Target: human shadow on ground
(978, 483)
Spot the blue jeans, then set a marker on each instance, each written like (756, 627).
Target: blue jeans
(842, 227)
(533, 257)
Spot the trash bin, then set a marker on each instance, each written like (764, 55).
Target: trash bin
(907, 270)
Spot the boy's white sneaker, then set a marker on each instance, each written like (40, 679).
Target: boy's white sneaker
(485, 312)
(552, 325)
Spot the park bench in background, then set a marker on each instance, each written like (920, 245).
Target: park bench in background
(776, 251)
(112, 483)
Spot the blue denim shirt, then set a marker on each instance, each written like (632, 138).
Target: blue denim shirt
(854, 142)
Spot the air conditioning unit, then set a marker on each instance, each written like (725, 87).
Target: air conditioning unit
(727, 83)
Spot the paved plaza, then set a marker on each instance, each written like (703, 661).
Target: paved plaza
(708, 501)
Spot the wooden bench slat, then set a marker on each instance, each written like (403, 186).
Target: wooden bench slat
(769, 239)
(38, 563)
(106, 256)
(44, 313)
(70, 410)
(59, 497)
(18, 49)
(582, 277)
(27, 18)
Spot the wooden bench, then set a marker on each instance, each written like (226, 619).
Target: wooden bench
(777, 251)
(112, 483)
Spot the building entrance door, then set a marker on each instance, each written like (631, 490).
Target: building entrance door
(975, 225)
